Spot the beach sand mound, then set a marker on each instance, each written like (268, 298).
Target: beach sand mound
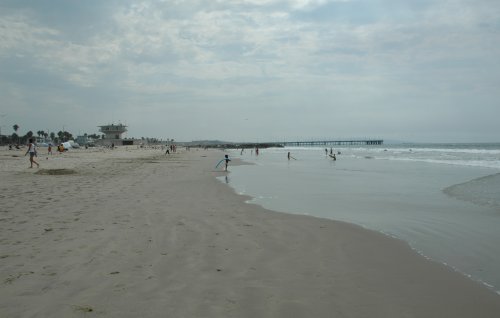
(56, 172)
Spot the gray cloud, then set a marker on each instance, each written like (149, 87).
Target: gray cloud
(254, 69)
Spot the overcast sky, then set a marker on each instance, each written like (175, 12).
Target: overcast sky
(253, 70)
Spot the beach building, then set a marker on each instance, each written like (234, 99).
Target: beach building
(85, 140)
(113, 134)
(82, 140)
(41, 141)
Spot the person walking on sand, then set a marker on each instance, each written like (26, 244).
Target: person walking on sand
(32, 151)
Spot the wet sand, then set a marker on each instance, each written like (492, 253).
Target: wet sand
(135, 233)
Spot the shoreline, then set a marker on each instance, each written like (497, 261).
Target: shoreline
(435, 225)
(388, 235)
(447, 191)
(176, 241)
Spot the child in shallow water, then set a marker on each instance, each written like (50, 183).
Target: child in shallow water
(226, 158)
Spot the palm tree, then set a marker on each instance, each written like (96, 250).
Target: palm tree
(16, 127)
(25, 138)
(67, 136)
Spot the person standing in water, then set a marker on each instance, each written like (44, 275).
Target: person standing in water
(226, 158)
(32, 151)
(289, 156)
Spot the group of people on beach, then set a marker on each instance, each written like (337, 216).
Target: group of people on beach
(289, 156)
(33, 151)
(172, 148)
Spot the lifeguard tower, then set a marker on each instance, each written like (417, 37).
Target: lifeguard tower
(113, 131)
(113, 135)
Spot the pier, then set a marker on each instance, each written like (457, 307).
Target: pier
(368, 142)
(281, 144)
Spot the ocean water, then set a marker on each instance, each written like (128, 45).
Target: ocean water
(443, 200)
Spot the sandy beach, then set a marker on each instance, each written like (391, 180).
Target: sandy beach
(135, 233)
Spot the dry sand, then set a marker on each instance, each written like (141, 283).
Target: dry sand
(135, 233)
